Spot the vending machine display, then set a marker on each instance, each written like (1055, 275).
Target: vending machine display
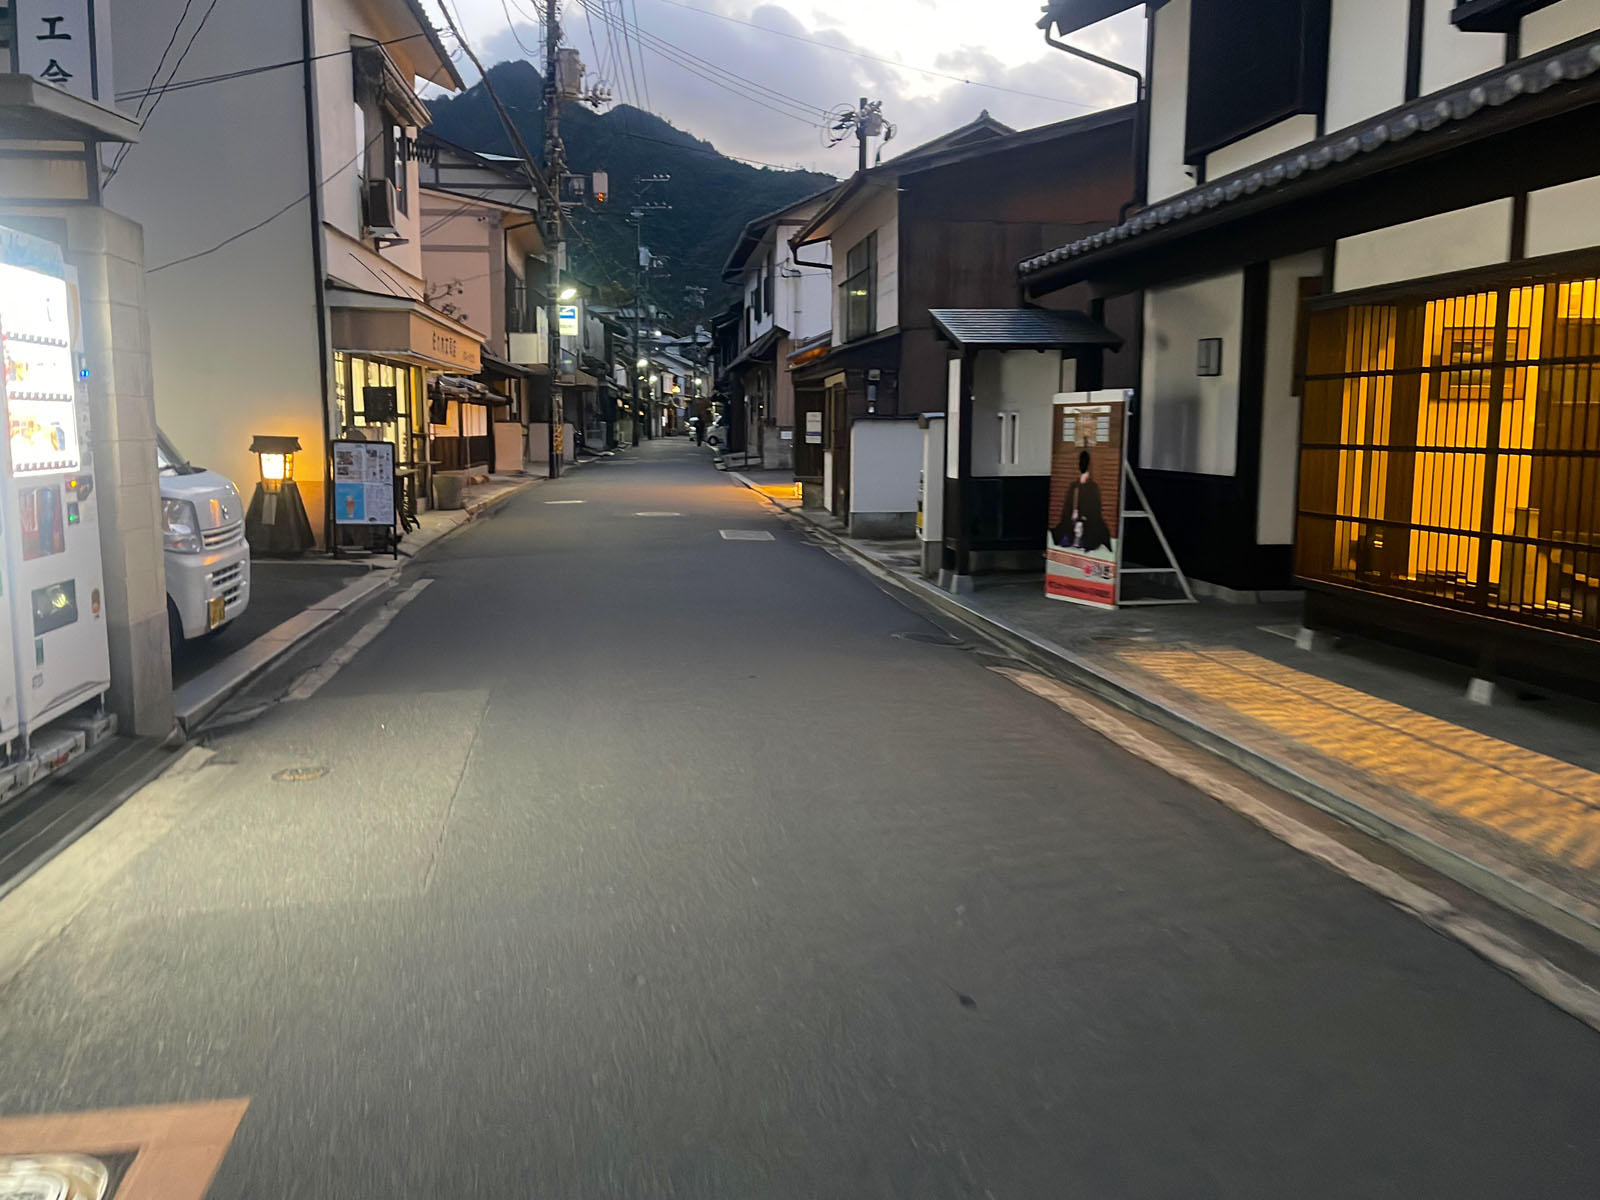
(52, 588)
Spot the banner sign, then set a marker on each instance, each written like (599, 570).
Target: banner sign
(1083, 547)
(363, 483)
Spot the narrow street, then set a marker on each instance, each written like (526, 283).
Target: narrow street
(632, 860)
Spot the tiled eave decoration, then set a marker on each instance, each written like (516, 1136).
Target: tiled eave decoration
(1418, 119)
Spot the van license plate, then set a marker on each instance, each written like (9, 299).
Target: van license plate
(216, 612)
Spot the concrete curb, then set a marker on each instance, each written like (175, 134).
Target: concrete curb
(1508, 886)
(205, 693)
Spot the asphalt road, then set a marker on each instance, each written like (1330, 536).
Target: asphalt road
(652, 864)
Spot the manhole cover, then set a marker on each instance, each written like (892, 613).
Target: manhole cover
(930, 639)
(299, 774)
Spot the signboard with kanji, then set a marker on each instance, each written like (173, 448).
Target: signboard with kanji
(66, 43)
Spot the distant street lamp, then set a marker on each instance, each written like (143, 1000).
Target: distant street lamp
(570, 293)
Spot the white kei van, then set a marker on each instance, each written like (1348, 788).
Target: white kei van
(208, 560)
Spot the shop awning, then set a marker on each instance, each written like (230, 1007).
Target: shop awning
(763, 350)
(467, 391)
(881, 351)
(503, 369)
(403, 330)
(1020, 329)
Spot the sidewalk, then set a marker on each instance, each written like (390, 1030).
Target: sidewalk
(1503, 798)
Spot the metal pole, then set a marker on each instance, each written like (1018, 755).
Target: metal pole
(638, 300)
(553, 168)
(861, 135)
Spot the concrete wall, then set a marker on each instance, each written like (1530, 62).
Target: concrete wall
(1191, 423)
(1450, 241)
(233, 335)
(1449, 55)
(885, 467)
(1169, 100)
(1023, 382)
(463, 263)
(1559, 23)
(1280, 402)
(1366, 60)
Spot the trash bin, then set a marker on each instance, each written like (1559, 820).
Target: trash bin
(447, 487)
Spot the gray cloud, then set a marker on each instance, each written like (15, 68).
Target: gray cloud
(811, 79)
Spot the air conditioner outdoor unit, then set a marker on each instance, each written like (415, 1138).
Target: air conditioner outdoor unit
(381, 208)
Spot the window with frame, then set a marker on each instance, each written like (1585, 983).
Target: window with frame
(858, 294)
(1450, 452)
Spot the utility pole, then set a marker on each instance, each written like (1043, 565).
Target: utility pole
(638, 301)
(553, 167)
(861, 135)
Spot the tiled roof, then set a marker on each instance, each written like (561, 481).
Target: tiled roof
(1419, 119)
(1020, 327)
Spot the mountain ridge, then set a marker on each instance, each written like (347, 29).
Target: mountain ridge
(712, 196)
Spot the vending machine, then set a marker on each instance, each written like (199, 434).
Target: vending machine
(52, 585)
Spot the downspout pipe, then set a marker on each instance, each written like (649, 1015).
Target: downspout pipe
(319, 271)
(1141, 127)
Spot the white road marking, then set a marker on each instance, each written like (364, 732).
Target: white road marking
(747, 535)
(1534, 971)
(311, 682)
(566, 502)
(657, 514)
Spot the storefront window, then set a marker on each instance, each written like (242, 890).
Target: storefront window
(377, 400)
(1451, 452)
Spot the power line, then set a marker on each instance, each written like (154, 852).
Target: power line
(512, 25)
(744, 84)
(795, 37)
(746, 89)
(116, 163)
(643, 73)
(243, 72)
(627, 45)
(162, 61)
(228, 241)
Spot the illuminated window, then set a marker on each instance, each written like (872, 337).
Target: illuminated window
(1451, 452)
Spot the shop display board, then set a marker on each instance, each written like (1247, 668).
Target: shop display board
(1083, 546)
(363, 483)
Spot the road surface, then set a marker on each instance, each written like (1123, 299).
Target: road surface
(629, 860)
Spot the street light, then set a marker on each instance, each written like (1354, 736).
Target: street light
(276, 522)
(570, 293)
(643, 363)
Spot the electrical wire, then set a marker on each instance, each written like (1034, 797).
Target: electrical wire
(245, 72)
(627, 44)
(746, 89)
(512, 25)
(127, 147)
(643, 73)
(162, 61)
(795, 37)
(300, 199)
(667, 50)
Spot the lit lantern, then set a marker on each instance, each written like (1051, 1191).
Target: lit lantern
(276, 522)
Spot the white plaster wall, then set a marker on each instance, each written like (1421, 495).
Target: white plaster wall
(1451, 241)
(1191, 423)
(1366, 60)
(464, 249)
(805, 301)
(1169, 99)
(1024, 382)
(1275, 139)
(878, 209)
(1280, 402)
(1449, 55)
(233, 335)
(336, 22)
(1559, 23)
(885, 466)
(1564, 217)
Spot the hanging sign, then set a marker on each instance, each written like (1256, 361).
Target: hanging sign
(363, 483)
(569, 320)
(1083, 547)
(55, 43)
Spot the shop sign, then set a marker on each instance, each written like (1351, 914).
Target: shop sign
(568, 314)
(55, 43)
(363, 483)
(1083, 545)
(813, 429)
(445, 345)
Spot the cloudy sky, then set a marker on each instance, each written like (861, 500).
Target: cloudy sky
(779, 67)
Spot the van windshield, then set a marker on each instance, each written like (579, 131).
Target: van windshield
(169, 461)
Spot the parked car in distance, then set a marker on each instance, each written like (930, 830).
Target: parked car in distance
(717, 435)
(207, 557)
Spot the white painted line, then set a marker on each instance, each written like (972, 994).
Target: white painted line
(657, 514)
(747, 535)
(566, 502)
(311, 682)
(1537, 973)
